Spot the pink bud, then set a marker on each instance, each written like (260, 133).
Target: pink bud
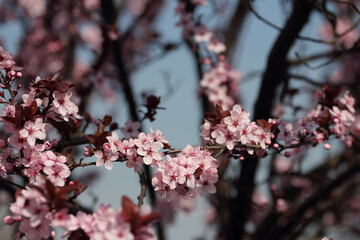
(12, 219)
(276, 145)
(54, 142)
(19, 74)
(47, 145)
(12, 72)
(268, 142)
(287, 154)
(206, 61)
(327, 146)
(241, 158)
(8, 220)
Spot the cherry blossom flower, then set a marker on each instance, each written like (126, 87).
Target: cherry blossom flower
(131, 129)
(104, 158)
(151, 153)
(203, 35)
(216, 46)
(64, 106)
(57, 173)
(34, 130)
(192, 172)
(348, 101)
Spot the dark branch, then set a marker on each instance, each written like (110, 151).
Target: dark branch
(236, 24)
(274, 75)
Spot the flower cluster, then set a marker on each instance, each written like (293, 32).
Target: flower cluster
(41, 207)
(47, 104)
(31, 209)
(334, 115)
(54, 166)
(8, 64)
(220, 82)
(143, 149)
(192, 172)
(233, 128)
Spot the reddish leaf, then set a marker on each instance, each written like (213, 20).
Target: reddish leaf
(58, 75)
(129, 209)
(144, 220)
(264, 124)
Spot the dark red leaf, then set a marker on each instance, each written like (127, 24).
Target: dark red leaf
(129, 209)
(144, 220)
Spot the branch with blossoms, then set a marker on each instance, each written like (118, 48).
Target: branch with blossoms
(219, 82)
(44, 123)
(189, 172)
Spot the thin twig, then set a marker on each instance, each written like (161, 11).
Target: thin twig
(261, 18)
(11, 183)
(348, 3)
(142, 187)
(305, 79)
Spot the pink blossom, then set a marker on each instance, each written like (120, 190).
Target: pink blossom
(203, 35)
(348, 101)
(64, 106)
(216, 46)
(57, 173)
(206, 129)
(29, 98)
(35, 8)
(177, 175)
(237, 119)
(158, 136)
(34, 130)
(18, 141)
(130, 129)
(92, 36)
(149, 148)
(114, 142)
(224, 137)
(287, 133)
(105, 158)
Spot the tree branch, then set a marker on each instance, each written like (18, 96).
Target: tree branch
(274, 75)
(236, 24)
